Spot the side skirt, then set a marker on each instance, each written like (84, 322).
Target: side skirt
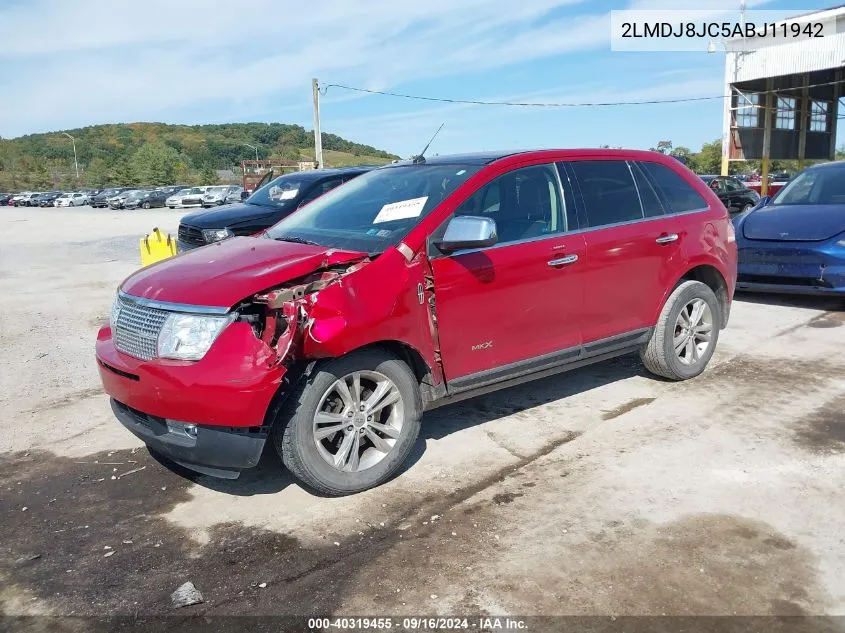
(540, 367)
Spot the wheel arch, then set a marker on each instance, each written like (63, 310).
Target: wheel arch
(303, 368)
(710, 276)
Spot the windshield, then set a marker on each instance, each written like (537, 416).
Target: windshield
(824, 185)
(192, 191)
(280, 191)
(375, 210)
(217, 189)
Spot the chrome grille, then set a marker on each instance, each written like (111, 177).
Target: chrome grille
(137, 328)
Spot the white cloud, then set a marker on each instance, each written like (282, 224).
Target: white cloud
(80, 62)
(88, 61)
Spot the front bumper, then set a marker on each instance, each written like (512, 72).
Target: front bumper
(227, 395)
(232, 385)
(217, 451)
(794, 268)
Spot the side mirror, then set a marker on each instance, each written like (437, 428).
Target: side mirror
(244, 195)
(468, 231)
(764, 201)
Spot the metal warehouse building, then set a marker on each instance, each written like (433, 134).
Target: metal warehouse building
(784, 95)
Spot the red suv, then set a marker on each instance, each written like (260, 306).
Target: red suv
(412, 286)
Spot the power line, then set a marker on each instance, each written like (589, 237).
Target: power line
(325, 90)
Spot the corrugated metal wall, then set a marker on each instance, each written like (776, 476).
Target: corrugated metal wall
(767, 60)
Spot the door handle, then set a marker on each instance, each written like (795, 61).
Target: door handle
(562, 261)
(667, 239)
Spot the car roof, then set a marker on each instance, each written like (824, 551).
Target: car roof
(315, 174)
(551, 154)
(831, 164)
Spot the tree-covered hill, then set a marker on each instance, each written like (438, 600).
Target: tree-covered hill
(144, 153)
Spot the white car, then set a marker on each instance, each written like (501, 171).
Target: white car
(16, 199)
(71, 200)
(186, 198)
(194, 197)
(221, 194)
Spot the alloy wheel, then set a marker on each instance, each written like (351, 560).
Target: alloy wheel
(693, 331)
(358, 421)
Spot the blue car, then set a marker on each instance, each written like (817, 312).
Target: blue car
(795, 242)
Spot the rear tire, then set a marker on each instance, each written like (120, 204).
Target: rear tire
(362, 464)
(682, 344)
(146, 205)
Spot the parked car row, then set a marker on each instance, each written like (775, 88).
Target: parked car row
(173, 196)
(211, 196)
(46, 198)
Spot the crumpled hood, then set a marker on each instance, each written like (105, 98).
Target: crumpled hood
(229, 215)
(224, 273)
(795, 223)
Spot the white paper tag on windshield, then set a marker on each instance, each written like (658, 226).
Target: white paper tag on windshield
(401, 210)
(283, 194)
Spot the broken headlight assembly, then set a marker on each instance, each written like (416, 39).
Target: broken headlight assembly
(189, 336)
(216, 235)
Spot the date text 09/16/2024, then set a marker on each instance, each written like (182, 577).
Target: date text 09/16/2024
(418, 624)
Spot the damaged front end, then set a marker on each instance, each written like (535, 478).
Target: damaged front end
(282, 317)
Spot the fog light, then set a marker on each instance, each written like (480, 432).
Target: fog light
(181, 428)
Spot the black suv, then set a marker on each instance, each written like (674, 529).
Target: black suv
(734, 194)
(269, 204)
(44, 199)
(101, 199)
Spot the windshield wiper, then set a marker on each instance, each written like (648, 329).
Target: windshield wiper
(296, 240)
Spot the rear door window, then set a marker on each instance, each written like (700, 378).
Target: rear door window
(678, 194)
(608, 190)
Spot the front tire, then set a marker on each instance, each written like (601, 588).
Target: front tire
(686, 333)
(352, 424)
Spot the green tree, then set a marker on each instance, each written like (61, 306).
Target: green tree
(664, 147)
(155, 164)
(709, 159)
(123, 174)
(208, 176)
(96, 174)
(41, 178)
(840, 153)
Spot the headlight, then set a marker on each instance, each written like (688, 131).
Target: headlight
(189, 336)
(115, 312)
(215, 235)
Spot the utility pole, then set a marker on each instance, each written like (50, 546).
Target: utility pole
(318, 139)
(255, 148)
(75, 163)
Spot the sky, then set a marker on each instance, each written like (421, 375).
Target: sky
(66, 64)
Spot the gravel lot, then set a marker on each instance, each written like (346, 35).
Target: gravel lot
(603, 491)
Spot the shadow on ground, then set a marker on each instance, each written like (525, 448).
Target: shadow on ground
(270, 477)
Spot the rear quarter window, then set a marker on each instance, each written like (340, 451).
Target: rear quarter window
(679, 196)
